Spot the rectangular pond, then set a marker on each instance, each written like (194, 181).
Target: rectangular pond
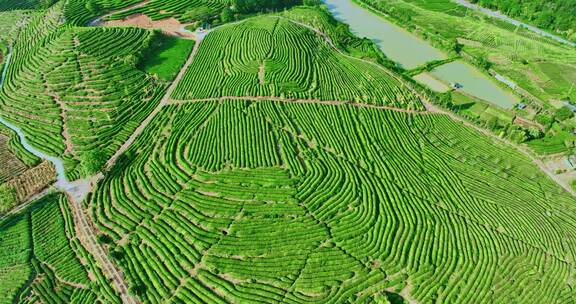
(475, 83)
(410, 52)
(398, 44)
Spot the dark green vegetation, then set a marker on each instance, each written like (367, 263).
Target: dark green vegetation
(555, 15)
(8, 5)
(76, 92)
(166, 56)
(277, 202)
(38, 260)
(288, 60)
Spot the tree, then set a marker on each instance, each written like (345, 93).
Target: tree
(563, 114)
(92, 161)
(534, 133)
(457, 46)
(226, 15)
(93, 7)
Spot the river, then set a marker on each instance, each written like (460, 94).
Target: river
(397, 43)
(515, 22)
(410, 51)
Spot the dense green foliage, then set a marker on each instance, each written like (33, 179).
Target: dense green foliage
(80, 87)
(38, 260)
(183, 10)
(280, 202)
(269, 56)
(251, 6)
(556, 15)
(9, 5)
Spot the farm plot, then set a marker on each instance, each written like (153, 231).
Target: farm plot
(80, 12)
(236, 201)
(76, 92)
(183, 10)
(39, 261)
(268, 56)
(11, 5)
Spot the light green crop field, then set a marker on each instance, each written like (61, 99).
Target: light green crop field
(291, 163)
(271, 56)
(166, 57)
(77, 90)
(183, 10)
(39, 261)
(280, 202)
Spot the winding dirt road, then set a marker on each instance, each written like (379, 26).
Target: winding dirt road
(165, 100)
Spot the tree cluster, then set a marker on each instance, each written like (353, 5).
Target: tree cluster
(255, 6)
(554, 15)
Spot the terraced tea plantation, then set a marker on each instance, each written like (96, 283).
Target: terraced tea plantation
(271, 202)
(40, 258)
(183, 10)
(275, 159)
(272, 56)
(76, 92)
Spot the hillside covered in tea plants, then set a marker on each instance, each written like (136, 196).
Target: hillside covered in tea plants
(209, 152)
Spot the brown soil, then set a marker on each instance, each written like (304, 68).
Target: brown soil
(169, 26)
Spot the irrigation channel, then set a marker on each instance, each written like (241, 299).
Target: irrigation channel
(499, 15)
(410, 51)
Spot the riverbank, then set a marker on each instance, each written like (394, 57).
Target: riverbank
(412, 51)
(505, 18)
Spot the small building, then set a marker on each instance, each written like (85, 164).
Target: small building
(521, 106)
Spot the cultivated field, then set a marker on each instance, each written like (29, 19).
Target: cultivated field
(282, 160)
(42, 262)
(280, 202)
(76, 92)
(271, 56)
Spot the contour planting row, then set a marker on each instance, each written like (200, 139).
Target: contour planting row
(80, 12)
(79, 91)
(183, 10)
(39, 260)
(268, 56)
(331, 204)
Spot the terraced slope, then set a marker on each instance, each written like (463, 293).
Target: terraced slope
(39, 259)
(80, 12)
(183, 10)
(10, 5)
(283, 202)
(269, 56)
(75, 91)
(13, 156)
